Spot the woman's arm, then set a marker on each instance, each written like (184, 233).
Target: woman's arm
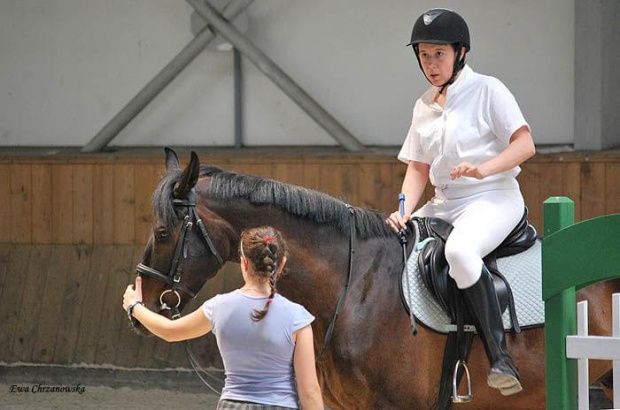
(187, 327)
(305, 370)
(520, 149)
(413, 188)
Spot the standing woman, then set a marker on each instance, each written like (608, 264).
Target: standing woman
(468, 136)
(265, 340)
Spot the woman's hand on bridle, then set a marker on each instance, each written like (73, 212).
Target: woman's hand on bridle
(133, 293)
(397, 222)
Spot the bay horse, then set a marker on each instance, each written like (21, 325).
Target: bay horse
(373, 361)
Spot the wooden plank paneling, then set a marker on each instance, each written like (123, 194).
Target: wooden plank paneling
(49, 319)
(612, 182)
(386, 189)
(88, 325)
(103, 204)
(31, 306)
(124, 201)
(262, 170)
(6, 225)
(312, 176)
(5, 256)
(161, 353)
(177, 356)
(11, 298)
(119, 203)
(331, 180)
(21, 203)
(572, 185)
(86, 347)
(42, 206)
(147, 354)
(551, 179)
(592, 190)
(62, 204)
(145, 179)
(71, 306)
(529, 180)
(83, 204)
(112, 316)
(129, 342)
(350, 178)
(368, 185)
(289, 173)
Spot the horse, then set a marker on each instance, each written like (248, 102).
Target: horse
(372, 361)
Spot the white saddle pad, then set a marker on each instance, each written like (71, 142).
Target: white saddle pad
(523, 272)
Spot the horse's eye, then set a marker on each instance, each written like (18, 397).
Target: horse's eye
(161, 235)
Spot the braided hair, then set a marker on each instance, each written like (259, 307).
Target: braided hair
(265, 249)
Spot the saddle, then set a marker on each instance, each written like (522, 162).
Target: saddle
(433, 267)
(433, 234)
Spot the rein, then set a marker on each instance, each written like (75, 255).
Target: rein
(330, 330)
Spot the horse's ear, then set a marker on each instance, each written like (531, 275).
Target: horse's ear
(189, 177)
(172, 161)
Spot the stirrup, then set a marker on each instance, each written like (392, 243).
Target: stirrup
(455, 395)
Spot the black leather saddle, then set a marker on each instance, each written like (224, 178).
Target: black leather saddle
(433, 266)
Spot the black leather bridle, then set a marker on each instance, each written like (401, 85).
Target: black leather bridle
(173, 277)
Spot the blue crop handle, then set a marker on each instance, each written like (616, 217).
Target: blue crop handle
(401, 200)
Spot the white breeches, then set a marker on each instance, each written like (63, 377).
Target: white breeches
(481, 223)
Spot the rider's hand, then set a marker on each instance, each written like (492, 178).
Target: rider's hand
(133, 293)
(466, 169)
(398, 222)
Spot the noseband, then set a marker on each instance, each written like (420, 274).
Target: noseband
(173, 277)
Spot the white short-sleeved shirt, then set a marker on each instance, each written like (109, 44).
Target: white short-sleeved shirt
(479, 117)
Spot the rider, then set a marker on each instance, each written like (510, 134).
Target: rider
(265, 340)
(468, 136)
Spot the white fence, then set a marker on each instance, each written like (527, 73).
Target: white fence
(583, 347)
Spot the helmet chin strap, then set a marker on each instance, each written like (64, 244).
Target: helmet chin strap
(458, 66)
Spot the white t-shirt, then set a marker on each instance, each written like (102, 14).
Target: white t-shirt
(479, 117)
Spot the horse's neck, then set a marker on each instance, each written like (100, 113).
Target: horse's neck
(319, 256)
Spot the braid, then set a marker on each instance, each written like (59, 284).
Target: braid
(266, 253)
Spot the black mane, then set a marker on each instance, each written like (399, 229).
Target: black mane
(301, 202)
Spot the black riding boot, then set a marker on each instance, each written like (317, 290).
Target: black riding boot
(482, 303)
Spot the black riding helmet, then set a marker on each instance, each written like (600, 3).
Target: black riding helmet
(441, 26)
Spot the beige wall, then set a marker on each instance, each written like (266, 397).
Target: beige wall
(68, 66)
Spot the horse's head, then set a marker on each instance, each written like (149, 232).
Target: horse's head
(188, 243)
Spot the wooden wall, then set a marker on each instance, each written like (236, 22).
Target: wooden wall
(62, 304)
(72, 230)
(106, 200)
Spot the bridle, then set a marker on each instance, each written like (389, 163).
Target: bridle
(173, 277)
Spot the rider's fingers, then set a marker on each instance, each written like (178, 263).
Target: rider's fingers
(400, 221)
(392, 221)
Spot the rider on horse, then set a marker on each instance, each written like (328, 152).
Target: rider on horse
(468, 136)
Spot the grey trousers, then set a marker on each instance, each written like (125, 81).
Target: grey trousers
(240, 405)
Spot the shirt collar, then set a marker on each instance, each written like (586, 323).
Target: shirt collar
(461, 79)
(429, 95)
